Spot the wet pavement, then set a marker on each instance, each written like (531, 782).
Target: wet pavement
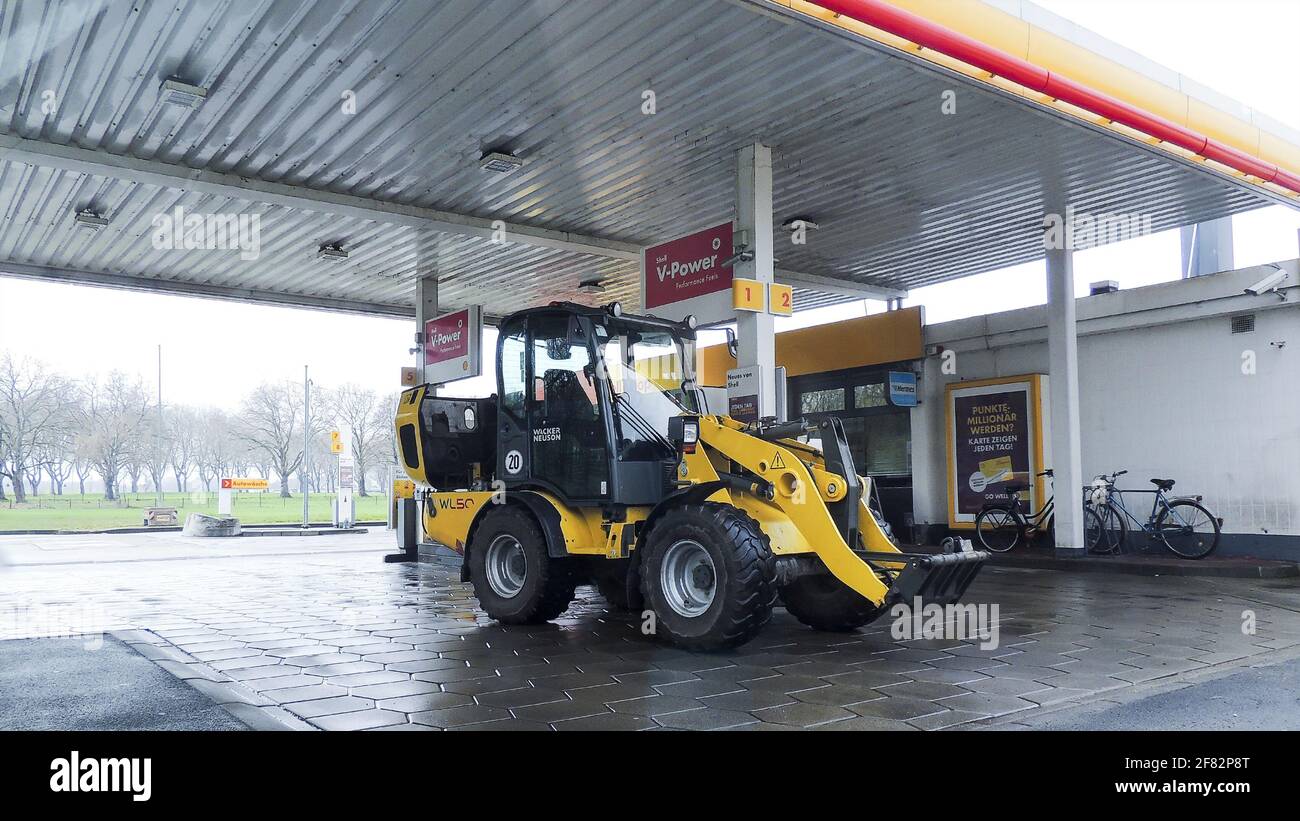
(325, 635)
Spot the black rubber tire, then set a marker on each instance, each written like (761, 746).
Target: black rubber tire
(1111, 530)
(998, 546)
(825, 603)
(548, 585)
(619, 584)
(1205, 546)
(745, 581)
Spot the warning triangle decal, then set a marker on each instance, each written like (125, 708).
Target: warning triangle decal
(777, 461)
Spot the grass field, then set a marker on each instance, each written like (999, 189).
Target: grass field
(91, 512)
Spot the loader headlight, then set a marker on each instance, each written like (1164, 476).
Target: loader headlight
(471, 419)
(684, 432)
(690, 435)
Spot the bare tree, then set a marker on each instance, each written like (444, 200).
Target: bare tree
(157, 449)
(218, 448)
(81, 463)
(58, 468)
(56, 454)
(384, 448)
(114, 418)
(321, 473)
(273, 418)
(33, 409)
(358, 408)
(184, 426)
(136, 462)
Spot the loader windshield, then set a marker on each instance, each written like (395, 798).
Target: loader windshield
(651, 377)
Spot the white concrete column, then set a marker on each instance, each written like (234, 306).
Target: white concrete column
(929, 448)
(1207, 247)
(426, 307)
(755, 332)
(1063, 366)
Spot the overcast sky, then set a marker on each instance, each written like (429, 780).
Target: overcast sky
(213, 352)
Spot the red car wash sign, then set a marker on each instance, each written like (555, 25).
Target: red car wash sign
(687, 276)
(452, 344)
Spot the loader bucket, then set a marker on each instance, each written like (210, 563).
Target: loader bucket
(939, 578)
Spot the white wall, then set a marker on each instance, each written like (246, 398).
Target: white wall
(1162, 394)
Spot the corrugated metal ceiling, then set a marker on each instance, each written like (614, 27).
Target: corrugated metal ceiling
(905, 195)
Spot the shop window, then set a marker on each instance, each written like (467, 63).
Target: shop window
(879, 443)
(869, 396)
(821, 401)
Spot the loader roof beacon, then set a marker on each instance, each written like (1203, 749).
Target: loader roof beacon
(617, 474)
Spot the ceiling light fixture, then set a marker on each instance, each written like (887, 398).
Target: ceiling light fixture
(794, 223)
(499, 162)
(332, 253)
(180, 93)
(89, 220)
(591, 287)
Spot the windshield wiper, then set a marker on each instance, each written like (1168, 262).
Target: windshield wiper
(641, 424)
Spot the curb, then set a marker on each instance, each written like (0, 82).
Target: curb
(254, 710)
(176, 529)
(1259, 569)
(310, 532)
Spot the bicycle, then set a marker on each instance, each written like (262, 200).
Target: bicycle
(1000, 526)
(1183, 524)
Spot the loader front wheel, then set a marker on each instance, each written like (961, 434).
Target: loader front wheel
(709, 576)
(823, 602)
(515, 580)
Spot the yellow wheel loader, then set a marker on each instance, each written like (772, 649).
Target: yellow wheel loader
(598, 462)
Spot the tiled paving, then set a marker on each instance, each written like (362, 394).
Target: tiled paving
(341, 641)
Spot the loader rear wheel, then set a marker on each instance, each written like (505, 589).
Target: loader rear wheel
(514, 579)
(709, 576)
(823, 602)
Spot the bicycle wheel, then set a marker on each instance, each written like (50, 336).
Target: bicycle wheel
(1188, 529)
(1112, 530)
(1094, 532)
(998, 528)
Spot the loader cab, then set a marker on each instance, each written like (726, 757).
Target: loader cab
(584, 399)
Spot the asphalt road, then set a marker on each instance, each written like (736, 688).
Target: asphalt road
(1256, 698)
(73, 684)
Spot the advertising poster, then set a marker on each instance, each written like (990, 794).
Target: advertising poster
(991, 446)
(452, 346)
(742, 393)
(687, 276)
(995, 438)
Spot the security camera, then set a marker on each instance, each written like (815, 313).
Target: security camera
(1269, 283)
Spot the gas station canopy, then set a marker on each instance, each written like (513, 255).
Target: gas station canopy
(364, 130)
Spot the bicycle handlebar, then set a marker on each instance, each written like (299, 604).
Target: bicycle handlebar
(1110, 479)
